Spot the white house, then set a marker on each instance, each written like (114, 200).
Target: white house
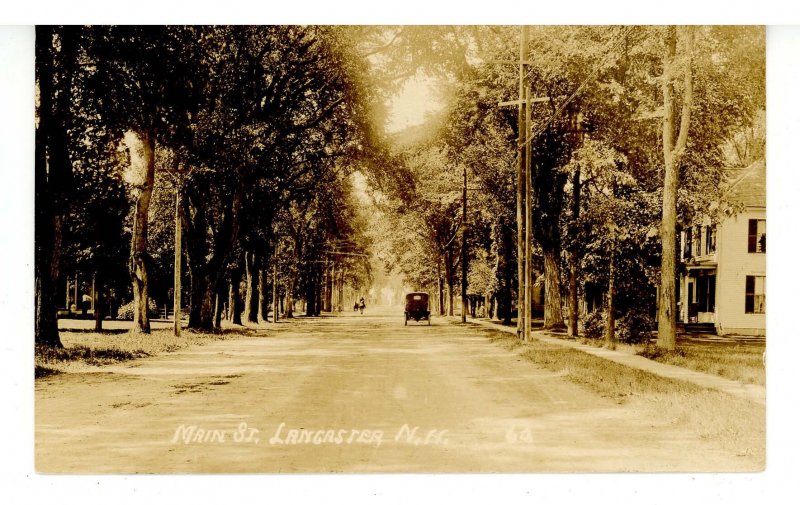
(723, 280)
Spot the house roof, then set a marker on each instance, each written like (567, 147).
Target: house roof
(748, 185)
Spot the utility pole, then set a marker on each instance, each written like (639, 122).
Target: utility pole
(275, 289)
(524, 104)
(464, 249)
(521, 187)
(176, 308)
(572, 330)
(528, 215)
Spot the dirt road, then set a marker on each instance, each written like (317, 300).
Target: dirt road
(359, 393)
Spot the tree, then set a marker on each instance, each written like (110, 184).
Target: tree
(143, 84)
(95, 236)
(303, 110)
(55, 56)
(262, 127)
(142, 179)
(673, 149)
(482, 136)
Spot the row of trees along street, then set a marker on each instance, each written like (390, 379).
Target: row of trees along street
(632, 133)
(252, 131)
(246, 139)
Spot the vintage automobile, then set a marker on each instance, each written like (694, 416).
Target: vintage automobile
(417, 307)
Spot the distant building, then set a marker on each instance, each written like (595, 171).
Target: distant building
(723, 279)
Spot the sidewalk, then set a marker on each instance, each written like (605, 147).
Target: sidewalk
(750, 392)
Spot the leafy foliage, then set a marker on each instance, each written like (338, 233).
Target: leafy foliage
(594, 324)
(262, 130)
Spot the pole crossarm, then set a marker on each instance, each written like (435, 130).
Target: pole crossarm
(537, 99)
(509, 62)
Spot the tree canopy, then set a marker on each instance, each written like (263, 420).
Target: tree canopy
(257, 133)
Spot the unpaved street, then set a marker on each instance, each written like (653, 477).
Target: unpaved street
(349, 394)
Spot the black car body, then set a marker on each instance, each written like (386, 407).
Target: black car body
(417, 307)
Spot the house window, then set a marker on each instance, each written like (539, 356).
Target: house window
(755, 297)
(757, 236)
(699, 238)
(687, 247)
(711, 240)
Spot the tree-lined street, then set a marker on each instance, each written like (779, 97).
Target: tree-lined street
(467, 398)
(272, 193)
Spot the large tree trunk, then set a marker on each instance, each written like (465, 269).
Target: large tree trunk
(449, 274)
(230, 300)
(319, 293)
(48, 246)
(289, 312)
(236, 296)
(672, 153)
(572, 330)
(222, 295)
(48, 224)
(218, 303)
(274, 292)
(196, 228)
(611, 341)
(99, 303)
(311, 295)
(553, 319)
(500, 302)
(202, 285)
(251, 298)
(207, 266)
(139, 258)
(464, 252)
(440, 286)
(328, 298)
(263, 299)
(52, 172)
(340, 306)
(46, 327)
(201, 315)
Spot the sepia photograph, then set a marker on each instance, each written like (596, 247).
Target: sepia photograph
(400, 249)
(416, 252)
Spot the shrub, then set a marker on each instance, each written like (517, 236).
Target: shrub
(657, 354)
(594, 324)
(634, 327)
(125, 312)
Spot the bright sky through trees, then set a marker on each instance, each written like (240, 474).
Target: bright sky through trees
(417, 98)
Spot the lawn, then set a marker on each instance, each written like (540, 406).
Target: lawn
(733, 423)
(85, 349)
(738, 361)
